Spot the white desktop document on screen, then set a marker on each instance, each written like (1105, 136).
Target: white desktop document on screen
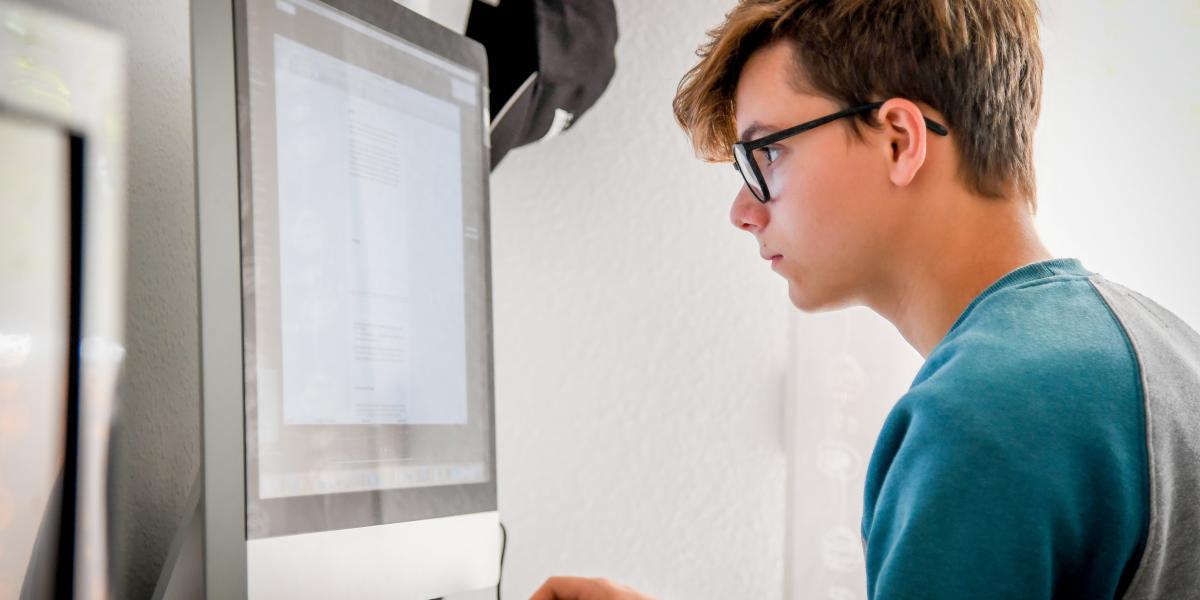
(381, 149)
(366, 415)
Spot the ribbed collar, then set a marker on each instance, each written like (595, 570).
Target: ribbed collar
(1026, 274)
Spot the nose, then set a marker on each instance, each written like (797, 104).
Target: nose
(747, 213)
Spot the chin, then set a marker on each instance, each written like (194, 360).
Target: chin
(810, 300)
(804, 299)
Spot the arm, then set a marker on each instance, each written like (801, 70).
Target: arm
(968, 508)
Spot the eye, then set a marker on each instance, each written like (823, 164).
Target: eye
(770, 154)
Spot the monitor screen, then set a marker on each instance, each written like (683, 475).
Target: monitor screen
(366, 303)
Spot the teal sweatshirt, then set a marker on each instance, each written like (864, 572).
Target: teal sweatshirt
(1019, 464)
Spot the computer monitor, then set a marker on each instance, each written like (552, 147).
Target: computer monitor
(41, 202)
(62, 293)
(345, 302)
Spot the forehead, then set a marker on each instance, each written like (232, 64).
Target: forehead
(767, 93)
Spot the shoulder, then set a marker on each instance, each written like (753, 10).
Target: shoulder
(1038, 323)
(1036, 388)
(1050, 344)
(1021, 418)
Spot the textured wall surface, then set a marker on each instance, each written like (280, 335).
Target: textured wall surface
(157, 444)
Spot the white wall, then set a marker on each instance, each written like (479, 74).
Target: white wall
(1117, 152)
(1118, 147)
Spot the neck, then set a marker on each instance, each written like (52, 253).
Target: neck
(956, 250)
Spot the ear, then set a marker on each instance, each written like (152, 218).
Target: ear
(905, 134)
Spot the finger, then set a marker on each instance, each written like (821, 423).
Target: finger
(566, 588)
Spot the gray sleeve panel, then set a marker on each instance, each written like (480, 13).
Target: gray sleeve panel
(1168, 354)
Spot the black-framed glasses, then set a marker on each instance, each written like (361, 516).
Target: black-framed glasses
(746, 163)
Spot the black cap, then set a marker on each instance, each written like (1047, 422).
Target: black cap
(548, 63)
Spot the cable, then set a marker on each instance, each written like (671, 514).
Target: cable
(503, 548)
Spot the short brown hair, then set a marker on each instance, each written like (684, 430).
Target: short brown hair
(978, 62)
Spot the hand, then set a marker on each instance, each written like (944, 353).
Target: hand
(582, 588)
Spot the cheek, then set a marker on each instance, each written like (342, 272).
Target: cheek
(852, 203)
(828, 220)
(809, 212)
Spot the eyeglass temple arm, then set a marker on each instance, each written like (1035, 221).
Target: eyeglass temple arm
(936, 127)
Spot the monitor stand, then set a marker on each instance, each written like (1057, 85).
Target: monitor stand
(182, 577)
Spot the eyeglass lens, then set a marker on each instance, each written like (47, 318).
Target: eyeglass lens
(748, 173)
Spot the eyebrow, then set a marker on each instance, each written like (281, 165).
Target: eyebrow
(754, 131)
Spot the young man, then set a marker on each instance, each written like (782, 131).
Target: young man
(1050, 445)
